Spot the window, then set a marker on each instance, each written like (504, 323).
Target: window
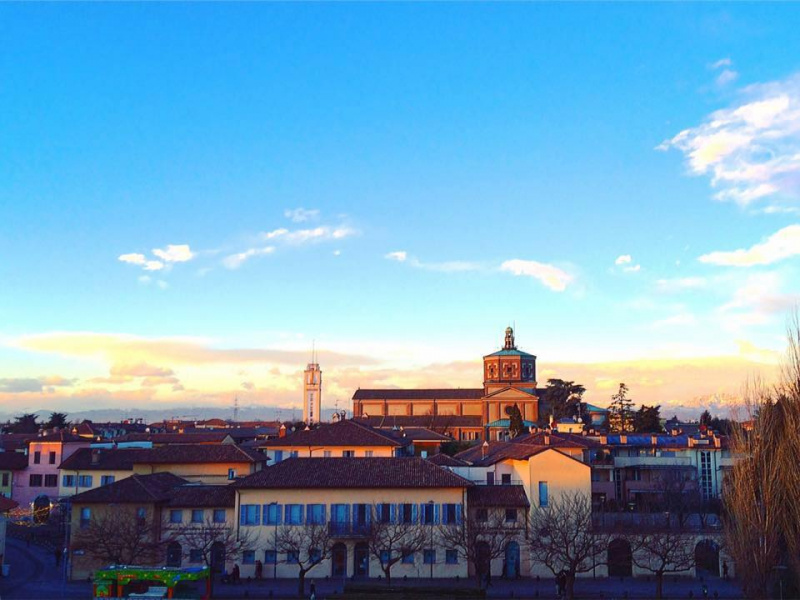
(5, 480)
(176, 516)
(314, 555)
(505, 478)
(451, 513)
(409, 513)
(219, 515)
(315, 514)
(52, 458)
(348, 453)
(543, 494)
(272, 514)
(384, 513)
(51, 480)
(106, 479)
(361, 514)
(37, 457)
(270, 557)
(482, 515)
(511, 515)
(368, 454)
(385, 556)
(489, 478)
(195, 555)
(428, 514)
(326, 453)
(198, 515)
(86, 516)
(291, 557)
(249, 514)
(294, 514)
(68, 481)
(408, 557)
(231, 474)
(84, 481)
(249, 557)
(141, 515)
(278, 456)
(35, 481)
(451, 557)
(429, 556)
(294, 454)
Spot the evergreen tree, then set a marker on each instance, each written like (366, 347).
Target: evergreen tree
(562, 399)
(620, 412)
(647, 419)
(26, 423)
(57, 419)
(516, 425)
(705, 418)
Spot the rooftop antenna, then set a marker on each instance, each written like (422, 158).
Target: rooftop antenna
(236, 409)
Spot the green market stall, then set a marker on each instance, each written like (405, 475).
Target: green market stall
(111, 582)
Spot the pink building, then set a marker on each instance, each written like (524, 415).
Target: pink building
(39, 481)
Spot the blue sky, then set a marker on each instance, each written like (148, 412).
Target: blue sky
(460, 168)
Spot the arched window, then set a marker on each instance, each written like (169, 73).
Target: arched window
(174, 554)
(620, 558)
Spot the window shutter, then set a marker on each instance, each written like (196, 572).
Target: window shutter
(392, 513)
(367, 513)
(257, 508)
(242, 516)
(436, 513)
(458, 514)
(413, 513)
(309, 513)
(288, 516)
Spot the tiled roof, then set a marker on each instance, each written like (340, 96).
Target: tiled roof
(342, 433)
(443, 460)
(558, 439)
(63, 436)
(305, 473)
(13, 461)
(92, 459)
(521, 448)
(425, 394)
(419, 434)
(511, 352)
(437, 423)
(210, 496)
(133, 489)
(200, 437)
(202, 453)
(482, 496)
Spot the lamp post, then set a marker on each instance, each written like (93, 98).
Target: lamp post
(275, 542)
(430, 504)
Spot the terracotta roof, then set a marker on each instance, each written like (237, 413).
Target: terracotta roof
(133, 489)
(106, 459)
(426, 394)
(437, 422)
(13, 461)
(482, 496)
(563, 439)
(342, 433)
(306, 473)
(420, 434)
(63, 436)
(210, 496)
(202, 453)
(193, 437)
(519, 449)
(12, 441)
(7, 504)
(443, 460)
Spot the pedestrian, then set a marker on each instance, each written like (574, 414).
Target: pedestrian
(724, 569)
(259, 569)
(313, 595)
(235, 573)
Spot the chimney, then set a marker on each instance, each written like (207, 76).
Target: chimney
(95, 456)
(623, 439)
(604, 440)
(654, 440)
(282, 431)
(717, 442)
(484, 449)
(546, 440)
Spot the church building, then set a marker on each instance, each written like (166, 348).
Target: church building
(509, 378)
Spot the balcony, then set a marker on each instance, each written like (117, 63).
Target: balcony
(652, 461)
(348, 529)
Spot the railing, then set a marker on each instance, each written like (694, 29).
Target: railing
(348, 529)
(653, 461)
(484, 482)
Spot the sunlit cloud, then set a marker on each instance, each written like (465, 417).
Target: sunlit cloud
(782, 244)
(174, 253)
(550, 276)
(624, 259)
(751, 151)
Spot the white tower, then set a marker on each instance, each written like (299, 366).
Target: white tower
(312, 392)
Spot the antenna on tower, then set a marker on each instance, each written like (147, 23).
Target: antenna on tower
(236, 409)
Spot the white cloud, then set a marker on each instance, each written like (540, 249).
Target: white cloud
(234, 261)
(633, 269)
(722, 62)
(751, 150)
(300, 214)
(552, 277)
(317, 234)
(174, 253)
(680, 284)
(399, 255)
(624, 259)
(337, 252)
(145, 279)
(153, 265)
(782, 244)
(727, 76)
(133, 258)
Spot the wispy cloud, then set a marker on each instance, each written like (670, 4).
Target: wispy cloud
(300, 214)
(173, 253)
(550, 276)
(679, 284)
(317, 234)
(625, 261)
(234, 261)
(751, 151)
(398, 255)
(727, 73)
(782, 244)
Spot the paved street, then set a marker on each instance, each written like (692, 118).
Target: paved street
(34, 576)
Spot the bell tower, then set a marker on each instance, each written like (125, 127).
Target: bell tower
(509, 367)
(312, 392)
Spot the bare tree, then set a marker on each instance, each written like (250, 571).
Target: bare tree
(118, 536)
(305, 546)
(480, 538)
(390, 539)
(564, 540)
(662, 551)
